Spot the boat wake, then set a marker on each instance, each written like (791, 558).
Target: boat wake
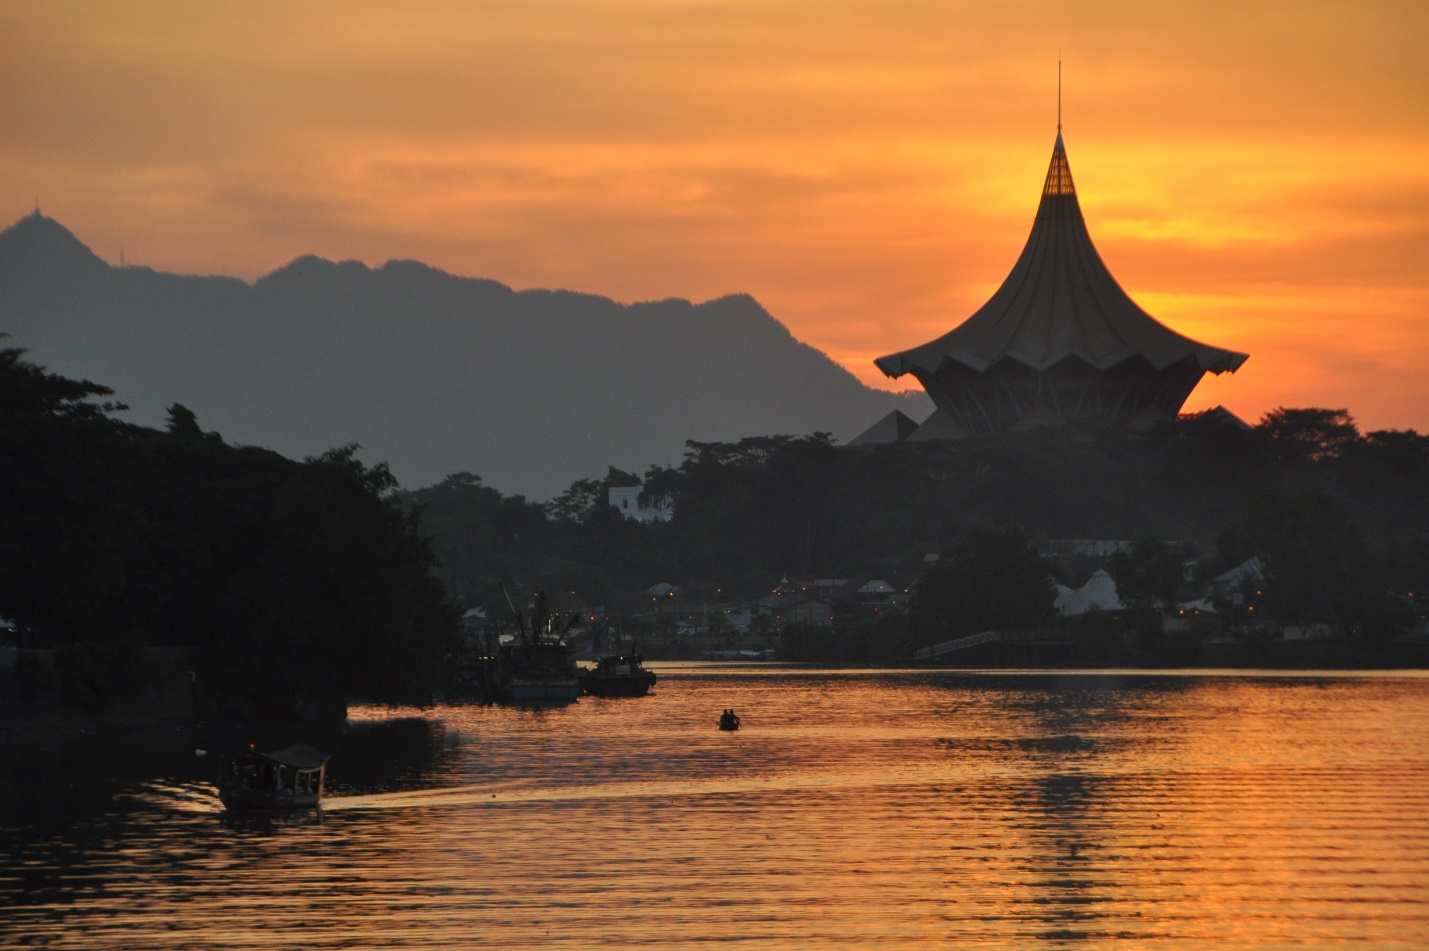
(201, 798)
(684, 790)
(198, 798)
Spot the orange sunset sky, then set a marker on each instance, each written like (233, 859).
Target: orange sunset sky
(1256, 174)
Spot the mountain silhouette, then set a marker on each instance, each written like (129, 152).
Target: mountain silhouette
(429, 372)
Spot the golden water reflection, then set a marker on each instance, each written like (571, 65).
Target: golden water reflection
(854, 810)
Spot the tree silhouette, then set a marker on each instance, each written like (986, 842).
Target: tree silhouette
(994, 578)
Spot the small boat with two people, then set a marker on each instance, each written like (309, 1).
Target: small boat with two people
(729, 720)
(290, 778)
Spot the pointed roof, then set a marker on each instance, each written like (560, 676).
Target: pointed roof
(1059, 301)
(940, 425)
(1099, 592)
(895, 427)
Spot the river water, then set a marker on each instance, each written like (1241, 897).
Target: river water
(855, 809)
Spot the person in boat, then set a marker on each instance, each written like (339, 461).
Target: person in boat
(729, 720)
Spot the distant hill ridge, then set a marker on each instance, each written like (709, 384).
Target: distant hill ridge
(431, 372)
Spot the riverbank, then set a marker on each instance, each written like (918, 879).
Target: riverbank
(38, 693)
(165, 696)
(42, 691)
(1326, 654)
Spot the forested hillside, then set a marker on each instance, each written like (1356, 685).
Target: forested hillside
(297, 584)
(314, 582)
(1327, 505)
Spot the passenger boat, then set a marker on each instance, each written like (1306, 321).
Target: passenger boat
(290, 778)
(617, 675)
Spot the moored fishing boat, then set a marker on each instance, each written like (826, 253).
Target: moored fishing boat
(290, 778)
(536, 666)
(542, 676)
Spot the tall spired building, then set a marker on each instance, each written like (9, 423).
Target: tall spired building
(1059, 341)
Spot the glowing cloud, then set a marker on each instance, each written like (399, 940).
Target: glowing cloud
(868, 170)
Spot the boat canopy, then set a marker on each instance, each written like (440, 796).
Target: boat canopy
(298, 756)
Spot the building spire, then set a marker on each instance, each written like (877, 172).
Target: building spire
(1059, 173)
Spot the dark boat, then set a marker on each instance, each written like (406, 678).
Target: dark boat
(533, 665)
(290, 778)
(537, 666)
(729, 720)
(617, 675)
(538, 673)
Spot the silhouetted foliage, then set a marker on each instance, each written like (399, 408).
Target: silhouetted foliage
(860, 640)
(1317, 566)
(992, 579)
(747, 513)
(296, 582)
(93, 674)
(1150, 574)
(1313, 433)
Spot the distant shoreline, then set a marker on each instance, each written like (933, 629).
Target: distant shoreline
(1293, 655)
(167, 704)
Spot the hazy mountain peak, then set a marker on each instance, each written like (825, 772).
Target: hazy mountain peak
(430, 372)
(309, 269)
(37, 242)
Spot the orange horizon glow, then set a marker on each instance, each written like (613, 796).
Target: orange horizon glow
(1254, 178)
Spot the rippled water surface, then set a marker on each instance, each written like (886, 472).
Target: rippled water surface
(854, 810)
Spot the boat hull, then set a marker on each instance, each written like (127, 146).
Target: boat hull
(529, 690)
(250, 799)
(632, 685)
(617, 675)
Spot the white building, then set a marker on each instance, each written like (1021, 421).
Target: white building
(1099, 592)
(626, 498)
